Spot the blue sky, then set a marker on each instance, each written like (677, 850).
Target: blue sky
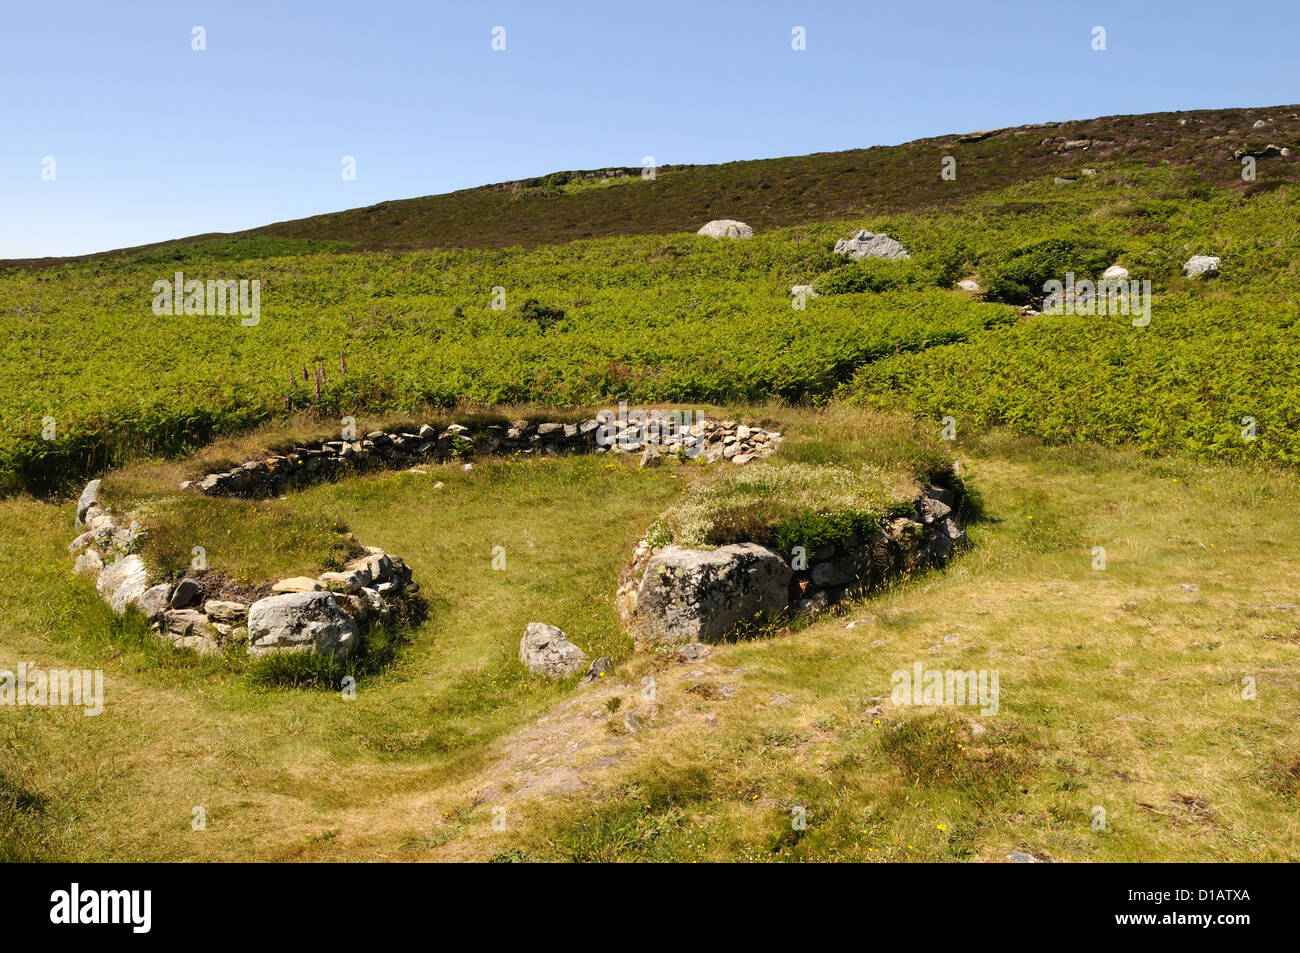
(153, 140)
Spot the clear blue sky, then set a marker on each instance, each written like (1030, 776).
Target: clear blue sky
(153, 140)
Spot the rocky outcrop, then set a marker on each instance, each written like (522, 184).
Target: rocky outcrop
(370, 588)
(865, 244)
(546, 651)
(726, 228)
(672, 595)
(657, 432)
(309, 622)
(1201, 266)
(692, 595)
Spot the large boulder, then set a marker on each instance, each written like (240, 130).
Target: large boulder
(693, 595)
(121, 583)
(1201, 265)
(545, 650)
(726, 228)
(867, 245)
(301, 622)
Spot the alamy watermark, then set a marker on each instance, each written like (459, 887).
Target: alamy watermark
(193, 296)
(1108, 296)
(31, 687)
(947, 687)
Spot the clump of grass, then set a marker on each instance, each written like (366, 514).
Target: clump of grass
(938, 750)
(787, 504)
(247, 540)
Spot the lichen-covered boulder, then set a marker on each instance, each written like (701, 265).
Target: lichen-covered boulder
(726, 228)
(694, 595)
(301, 622)
(545, 650)
(868, 245)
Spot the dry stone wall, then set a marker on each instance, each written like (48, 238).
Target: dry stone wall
(653, 435)
(324, 615)
(671, 595)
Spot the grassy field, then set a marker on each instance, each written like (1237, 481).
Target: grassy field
(1119, 688)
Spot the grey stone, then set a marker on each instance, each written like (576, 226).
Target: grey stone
(1201, 265)
(814, 603)
(187, 593)
(121, 583)
(834, 572)
(301, 622)
(178, 624)
(867, 245)
(348, 581)
(726, 228)
(88, 563)
(155, 600)
(220, 611)
(691, 595)
(89, 497)
(599, 669)
(938, 509)
(545, 650)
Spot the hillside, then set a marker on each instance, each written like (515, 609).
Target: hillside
(772, 193)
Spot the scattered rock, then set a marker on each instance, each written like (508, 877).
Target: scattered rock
(1020, 857)
(1201, 265)
(600, 668)
(88, 563)
(225, 611)
(546, 651)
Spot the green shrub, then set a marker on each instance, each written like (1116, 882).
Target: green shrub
(544, 316)
(874, 275)
(1020, 278)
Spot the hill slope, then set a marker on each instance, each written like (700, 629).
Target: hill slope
(770, 193)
